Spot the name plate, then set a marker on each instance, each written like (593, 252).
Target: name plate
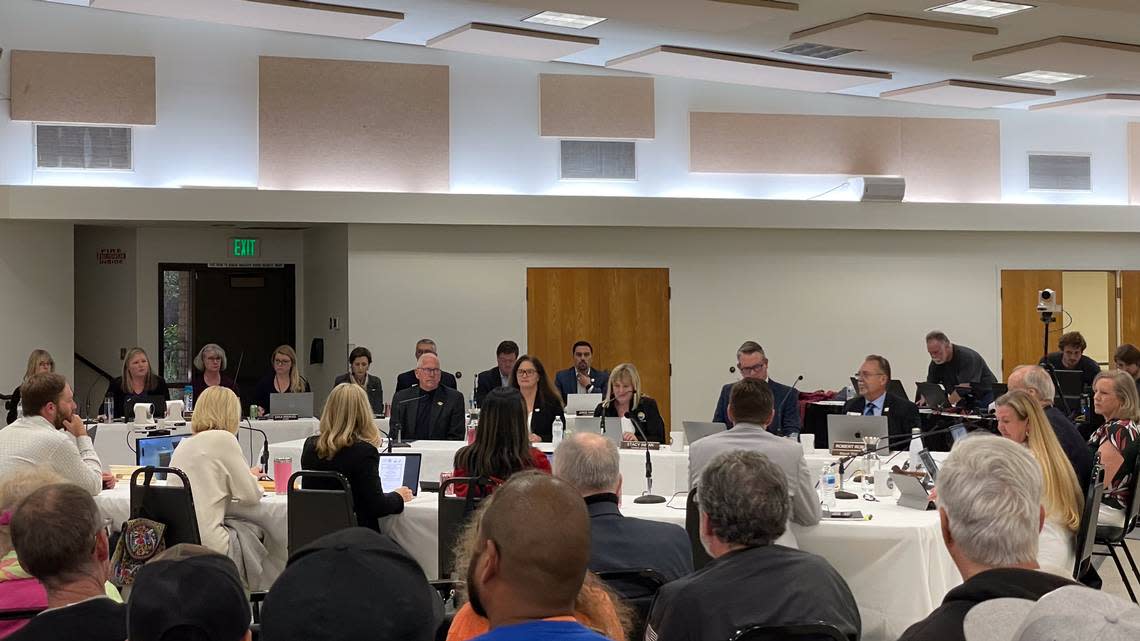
(588, 413)
(640, 445)
(846, 448)
(282, 417)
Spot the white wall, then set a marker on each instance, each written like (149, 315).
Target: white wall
(326, 287)
(106, 296)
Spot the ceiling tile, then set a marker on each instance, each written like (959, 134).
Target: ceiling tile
(967, 93)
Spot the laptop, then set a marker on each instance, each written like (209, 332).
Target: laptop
(582, 403)
(156, 451)
(1069, 383)
(929, 463)
(895, 386)
(299, 404)
(400, 469)
(696, 430)
(157, 403)
(841, 427)
(933, 393)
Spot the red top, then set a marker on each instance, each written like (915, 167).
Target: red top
(538, 461)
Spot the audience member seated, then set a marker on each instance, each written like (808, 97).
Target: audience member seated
(349, 585)
(542, 403)
(498, 376)
(1127, 358)
(188, 592)
(591, 463)
(743, 511)
(501, 446)
(955, 367)
(750, 408)
(1116, 441)
(595, 606)
(210, 371)
(347, 443)
(429, 410)
(531, 551)
(39, 362)
(1021, 420)
(625, 400)
(52, 435)
(1072, 613)
(1036, 382)
(359, 360)
(61, 540)
(219, 477)
(753, 364)
(989, 502)
(873, 400)
(137, 381)
(1072, 357)
(581, 377)
(285, 379)
(409, 378)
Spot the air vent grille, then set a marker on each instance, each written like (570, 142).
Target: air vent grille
(813, 50)
(83, 147)
(1060, 172)
(598, 160)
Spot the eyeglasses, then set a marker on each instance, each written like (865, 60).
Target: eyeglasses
(280, 361)
(753, 370)
(863, 375)
(219, 358)
(527, 372)
(430, 371)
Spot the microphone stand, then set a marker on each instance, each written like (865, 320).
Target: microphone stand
(785, 397)
(399, 441)
(647, 496)
(264, 446)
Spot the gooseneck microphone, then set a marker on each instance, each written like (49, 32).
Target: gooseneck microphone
(264, 445)
(647, 496)
(399, 425)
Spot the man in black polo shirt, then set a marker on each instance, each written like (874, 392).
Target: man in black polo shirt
(744, 508)
(1035, 381)
(958, 366)
(1072, 357)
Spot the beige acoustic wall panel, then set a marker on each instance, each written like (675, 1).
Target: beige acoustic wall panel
(343, 125)
(50, 86)
(791, 144)
(1134, 163)
(577, 106)
(951, 160)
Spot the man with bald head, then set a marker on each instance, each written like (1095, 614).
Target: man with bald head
(429, 410)
(530, 558)
(1035, 381)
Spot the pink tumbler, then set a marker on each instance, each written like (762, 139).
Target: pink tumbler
(282, 470)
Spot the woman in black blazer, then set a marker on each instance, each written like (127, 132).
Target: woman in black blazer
(543, 403)
(348, 443)
(359, 360)
(624, 399)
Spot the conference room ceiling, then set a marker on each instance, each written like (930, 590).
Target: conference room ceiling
(898, 44)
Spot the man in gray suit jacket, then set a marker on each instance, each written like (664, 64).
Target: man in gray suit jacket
(750, 407)
(428, 410)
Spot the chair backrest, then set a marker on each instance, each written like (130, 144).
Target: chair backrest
(701, 558)
(799, 632)
(322, 509)
(637, 589)
(170, 504)
(1133, 508)
(454, 513)
(1086, 533)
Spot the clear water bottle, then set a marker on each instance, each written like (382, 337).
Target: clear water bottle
(827, 485)
(915, 448)
(187, 399)
(557, 431)
(109, 408)
(472, 424)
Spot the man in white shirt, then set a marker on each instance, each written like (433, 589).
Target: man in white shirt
(50, 434)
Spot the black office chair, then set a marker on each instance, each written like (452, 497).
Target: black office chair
(323, 508)
(1086, 533)
(454, 513)
(799, 632)
(171, 505)
(637, 589)
(701, 558)
(1113, 537)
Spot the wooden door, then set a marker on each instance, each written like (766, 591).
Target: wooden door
(1022, 333)
(1129, 295)
(623, 313)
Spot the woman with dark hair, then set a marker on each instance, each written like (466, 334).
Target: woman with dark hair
(501, 446)
(543, 403)
(359, 360)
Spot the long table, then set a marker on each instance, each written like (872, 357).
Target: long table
(115, 442)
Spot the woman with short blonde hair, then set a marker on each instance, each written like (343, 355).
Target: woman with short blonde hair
(284, 379)
(216, 410)
(624, 399)
(1117, 441)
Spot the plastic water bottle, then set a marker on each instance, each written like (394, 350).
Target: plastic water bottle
(827, 485)
(557, 431)
(472, 424)
(915, 448)
(188, 398)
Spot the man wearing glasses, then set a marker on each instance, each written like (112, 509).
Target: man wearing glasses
(429, 410)
(874, 400)
(753, 364)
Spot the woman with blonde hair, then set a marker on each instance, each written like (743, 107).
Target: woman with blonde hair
(284, 379)
(138, 380)
(1115, 398)
(625, 400)
(39, 361)
(213, 461)
(349, 443)
(1021, 420)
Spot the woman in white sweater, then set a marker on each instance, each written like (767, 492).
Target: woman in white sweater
(213, 461)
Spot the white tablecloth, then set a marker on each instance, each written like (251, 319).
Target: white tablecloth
(115, 442)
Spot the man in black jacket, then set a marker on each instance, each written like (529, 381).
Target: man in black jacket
(408, 378)
(1035, 381)
(429, 410)
(499, 375)
(874, 400)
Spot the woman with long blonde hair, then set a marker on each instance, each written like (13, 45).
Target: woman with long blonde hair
(138, 381)
(39, 361)
(1021, 420)
(349, 443)
(284, 379)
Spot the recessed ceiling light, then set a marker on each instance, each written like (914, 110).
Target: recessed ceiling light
(1044, 77)
(813, 50)
(568, 20)
(981, 8)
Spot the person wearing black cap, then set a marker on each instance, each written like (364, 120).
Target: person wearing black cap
(351, 584)
(188, 592)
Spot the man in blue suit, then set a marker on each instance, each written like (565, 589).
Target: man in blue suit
(752, 363)
(581, 378)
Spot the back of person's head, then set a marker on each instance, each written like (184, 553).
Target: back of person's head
(188, 593)
(348, 585)
(55, 530)
(751, 401)
(502, 444)
(346, 419)
(14, 487)
(1069, 613)
(989, 490)
(589, 462)
(41, 389)
(1124, 388)
(745, 497)
(34, 359)
(1035, 380)
(217, 408)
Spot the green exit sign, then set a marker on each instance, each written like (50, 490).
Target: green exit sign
(244, 248)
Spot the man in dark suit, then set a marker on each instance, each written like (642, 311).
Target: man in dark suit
(409, 379)
(500, 375)
(752, 363)
(874, 400)
(428, 410)
(581, 378)
(591, 463)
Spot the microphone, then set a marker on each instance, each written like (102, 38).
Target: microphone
(399, 425)
(264, 445)
(844, 460)
(647, 496)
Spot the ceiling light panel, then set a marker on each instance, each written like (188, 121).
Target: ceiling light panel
(981, 8)
(567, 20)
(1043, 77)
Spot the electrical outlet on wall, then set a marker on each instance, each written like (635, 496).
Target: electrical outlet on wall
(334, 322)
